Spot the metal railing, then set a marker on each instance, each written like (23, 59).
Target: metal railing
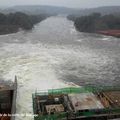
(77, 90)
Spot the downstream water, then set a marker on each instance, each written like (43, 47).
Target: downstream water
(54, 53)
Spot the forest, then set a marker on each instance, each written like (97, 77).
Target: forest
(12, 22)
(96, 22)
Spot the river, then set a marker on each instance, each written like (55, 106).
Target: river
(54, 53)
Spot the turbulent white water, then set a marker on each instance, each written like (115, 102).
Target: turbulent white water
(33, 65)
(54, 52)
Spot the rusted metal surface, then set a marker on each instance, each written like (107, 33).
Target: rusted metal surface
(13, 110)
(6, 85)
(75, 105)
(54, 108)
(113, 97)
(85, 101)
(8, 92)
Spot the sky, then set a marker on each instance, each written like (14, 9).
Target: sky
(66, 3)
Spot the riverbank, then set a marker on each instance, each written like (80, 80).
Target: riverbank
(114, 33)
(13, 22)
(4, 29)
(96, 23)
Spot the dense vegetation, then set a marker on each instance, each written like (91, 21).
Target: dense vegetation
(14, 21)
(96, 22)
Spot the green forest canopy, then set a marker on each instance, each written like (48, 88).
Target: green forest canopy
(96, 22)
(12, 22)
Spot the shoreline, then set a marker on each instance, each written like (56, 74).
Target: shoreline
(113, 33)
(13, 23)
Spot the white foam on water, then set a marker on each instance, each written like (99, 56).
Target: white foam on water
(79, 40)
(72, 30)
(33, 66)
(108, 38)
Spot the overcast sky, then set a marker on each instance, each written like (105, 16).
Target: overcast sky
(67, 3)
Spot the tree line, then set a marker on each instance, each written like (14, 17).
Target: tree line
(12, 22)
(96, 22)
